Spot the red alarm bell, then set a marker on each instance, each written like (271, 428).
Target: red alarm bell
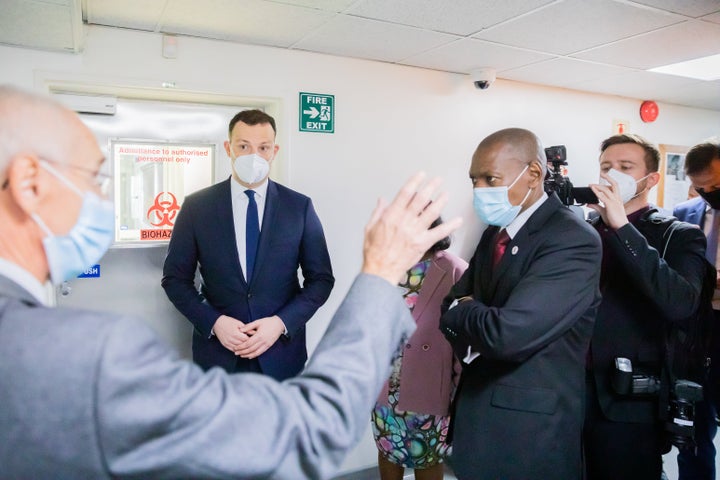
(649, 111)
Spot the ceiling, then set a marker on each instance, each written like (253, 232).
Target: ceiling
(602, 46)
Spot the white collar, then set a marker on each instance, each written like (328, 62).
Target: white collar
(237, 189)
(520, 220)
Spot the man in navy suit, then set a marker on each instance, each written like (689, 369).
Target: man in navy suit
(702, 167)
(249, 235)
(521, 321)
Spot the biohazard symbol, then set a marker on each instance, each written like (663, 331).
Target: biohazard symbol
(164, 211)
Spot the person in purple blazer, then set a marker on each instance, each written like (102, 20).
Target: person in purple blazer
(411, 418)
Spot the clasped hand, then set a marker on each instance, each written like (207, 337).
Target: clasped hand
(248, 340)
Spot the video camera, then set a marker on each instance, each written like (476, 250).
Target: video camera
(556, 182)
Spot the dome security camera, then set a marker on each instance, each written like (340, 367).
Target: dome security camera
(483, 77)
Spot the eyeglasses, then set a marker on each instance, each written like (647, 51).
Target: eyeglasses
(100, 179)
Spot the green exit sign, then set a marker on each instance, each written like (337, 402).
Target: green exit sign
(317, 112)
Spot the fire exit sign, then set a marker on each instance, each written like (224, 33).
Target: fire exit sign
(317, 112)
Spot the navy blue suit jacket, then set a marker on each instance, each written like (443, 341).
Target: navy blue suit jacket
(531, 319)
(291, 237)
(691, 211)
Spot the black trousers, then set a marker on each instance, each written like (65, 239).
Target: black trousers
(617, 450)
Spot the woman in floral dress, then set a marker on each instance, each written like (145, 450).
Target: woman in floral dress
(411, 417)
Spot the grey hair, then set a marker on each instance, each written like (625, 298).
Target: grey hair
(18, 110)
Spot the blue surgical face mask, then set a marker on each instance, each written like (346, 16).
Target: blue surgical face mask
(71, 254)
(492, 204)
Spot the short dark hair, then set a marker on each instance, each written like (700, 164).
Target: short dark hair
(442, 244)
(251, 117)
(652, 156)
(699, 158)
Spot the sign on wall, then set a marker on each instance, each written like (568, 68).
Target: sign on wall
(151, 181)
(674, 186)
(317, 112)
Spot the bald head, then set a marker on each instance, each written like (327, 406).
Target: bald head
(523, 145)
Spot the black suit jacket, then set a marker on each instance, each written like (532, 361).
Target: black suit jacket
(291, 237)
(519, 411)
(641, 292)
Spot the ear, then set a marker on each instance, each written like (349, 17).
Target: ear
(227, 148)
(23, 182)
(653, 179)
(536, 174)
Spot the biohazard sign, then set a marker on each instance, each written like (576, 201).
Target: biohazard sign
(162, 215)
(151, 182)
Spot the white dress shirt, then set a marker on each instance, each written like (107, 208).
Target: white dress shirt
(239, 208)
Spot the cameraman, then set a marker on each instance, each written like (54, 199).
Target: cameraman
(642, 290)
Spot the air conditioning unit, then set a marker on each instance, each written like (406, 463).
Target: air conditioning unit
(87, 103)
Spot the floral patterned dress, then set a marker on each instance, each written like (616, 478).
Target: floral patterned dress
(411, 439)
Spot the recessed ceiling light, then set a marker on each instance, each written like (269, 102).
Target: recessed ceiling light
(705, 68)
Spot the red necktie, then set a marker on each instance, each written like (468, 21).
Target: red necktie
(501, 241)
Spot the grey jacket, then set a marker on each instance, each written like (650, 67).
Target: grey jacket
(96, 395)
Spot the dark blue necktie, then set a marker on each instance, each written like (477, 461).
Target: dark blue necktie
(252, 234)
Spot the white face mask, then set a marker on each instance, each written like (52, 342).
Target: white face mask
(251, 168)
(626, 184)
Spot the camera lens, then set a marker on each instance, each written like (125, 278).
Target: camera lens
(681, 413)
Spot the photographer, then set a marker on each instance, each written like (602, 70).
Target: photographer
(652, 275)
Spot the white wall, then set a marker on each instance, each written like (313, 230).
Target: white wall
(390, 121)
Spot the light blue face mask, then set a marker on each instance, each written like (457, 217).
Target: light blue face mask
(492, 204)
(71, 254)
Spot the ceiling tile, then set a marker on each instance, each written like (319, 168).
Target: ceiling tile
(463, 55)
(588, 45)
(329, 5)
(563, 72)
(461, 17)
(694, 8)
(588, 23)
(138, 14)
(656, 86)
(686, 41)
(699, 94)
(714, 18)
(246, 21)
(363, 38)
(46, 25)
